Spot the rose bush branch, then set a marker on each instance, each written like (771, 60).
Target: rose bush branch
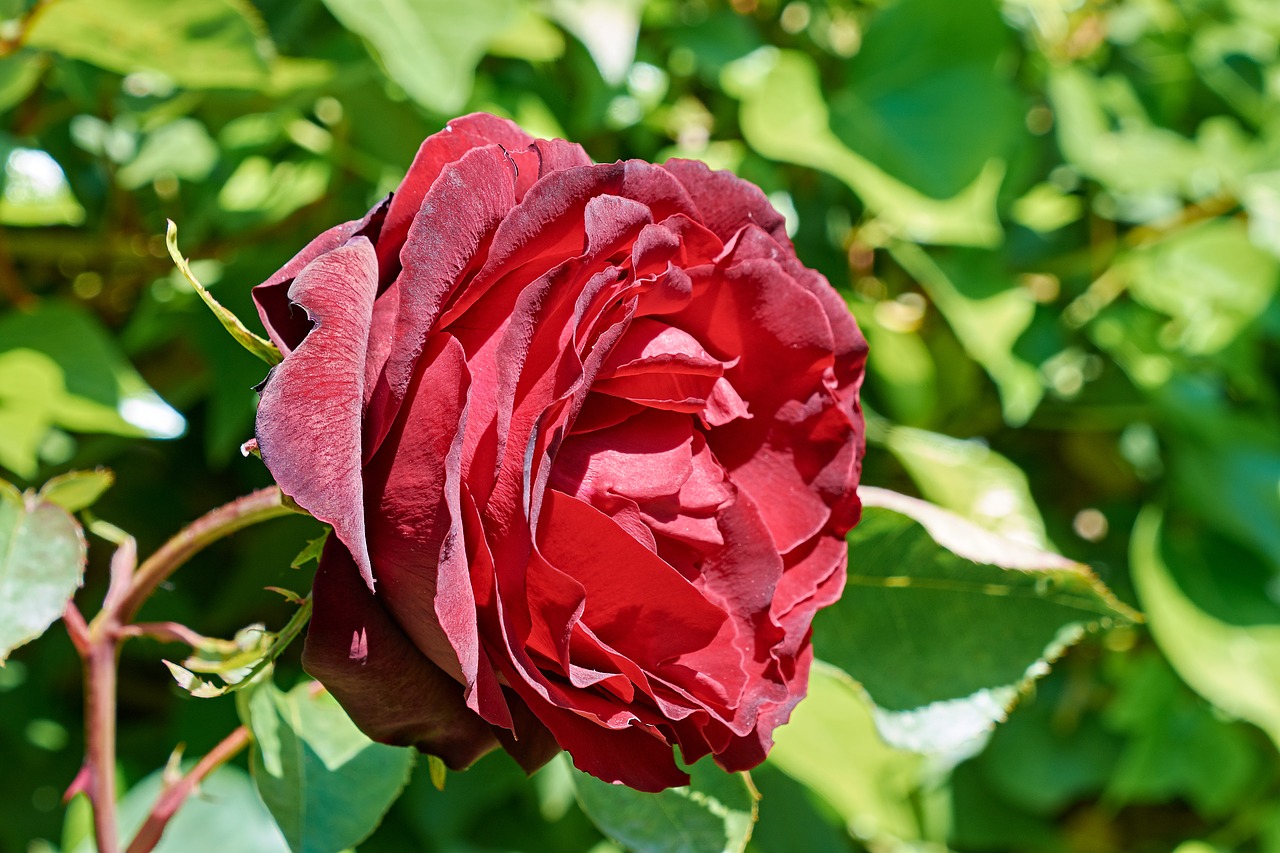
(98, 644)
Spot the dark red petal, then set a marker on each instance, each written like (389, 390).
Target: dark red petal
(308, 423)
(415, 526)
(635, 602)
(393, 693)
(449, 235)
(286, 325)
(725, 202)
(439, 150)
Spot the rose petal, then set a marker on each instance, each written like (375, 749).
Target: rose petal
(309, 423)
(285, 325)
(415, 526)
(726, 203)
(393, 693)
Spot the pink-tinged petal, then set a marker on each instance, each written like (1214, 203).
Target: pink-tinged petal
(391, 691)
(285, 324)
(660, 366)
(725, 202)
(459, 137)
(415, 526)
(634, 601)
(448, 237)
(308, 424)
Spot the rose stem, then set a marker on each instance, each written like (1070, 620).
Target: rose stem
(174, 795)
(99, 646)
(257, 506)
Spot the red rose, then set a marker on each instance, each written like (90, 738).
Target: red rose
(588, 437)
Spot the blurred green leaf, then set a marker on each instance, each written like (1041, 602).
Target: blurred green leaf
(1176, 747)
(832, 746)
(608, 28)
(325, 782)
(36, 192)
(198, 44)
(971, 480)
(928, 98)
(77, 490)
(1211, 280)
(42, 560)
(19, 73)
(1236, 667)
(430, 47)
(713, 814)
(987, 313)
(58, 365)
(784, 117)
(944, 622)
(180, 149)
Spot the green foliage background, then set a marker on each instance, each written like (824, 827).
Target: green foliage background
(1058, 222)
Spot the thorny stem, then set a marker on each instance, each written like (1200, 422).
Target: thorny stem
(98, 644)
(257, 506)
(174, 795)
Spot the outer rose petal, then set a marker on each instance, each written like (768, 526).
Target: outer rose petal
(308, 422)
(388, 687)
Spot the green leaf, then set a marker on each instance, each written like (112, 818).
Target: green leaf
(927, 98)
(784, 117)
(944, 622)
(77, 490)
(312, 551)
(608, 29)
(226, 815)
(198, 44)
(1177, 745)
(42, 560)
(238, 662)
(261, 347)
(36, 191)
(713, 814)
(1236, 667)
(60, 367)
(327, 785)
(971, 480)
(987, 322)
(1210, 279)
(429, 47)
(831, 745)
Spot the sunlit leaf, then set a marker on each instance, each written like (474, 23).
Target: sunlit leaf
(77, 490)
(42, 560)
(199, 44)
(430, 47)
(713, 814)
(772, 84)
(226, 815)
(832, 746)
(944, 622)
(1236, 667)
(325, 782)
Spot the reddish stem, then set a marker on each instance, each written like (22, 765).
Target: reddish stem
(257, 506)
(99, 646)
(100, 736)
(173, 796)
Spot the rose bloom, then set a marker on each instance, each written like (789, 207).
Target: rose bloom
(588, 437)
